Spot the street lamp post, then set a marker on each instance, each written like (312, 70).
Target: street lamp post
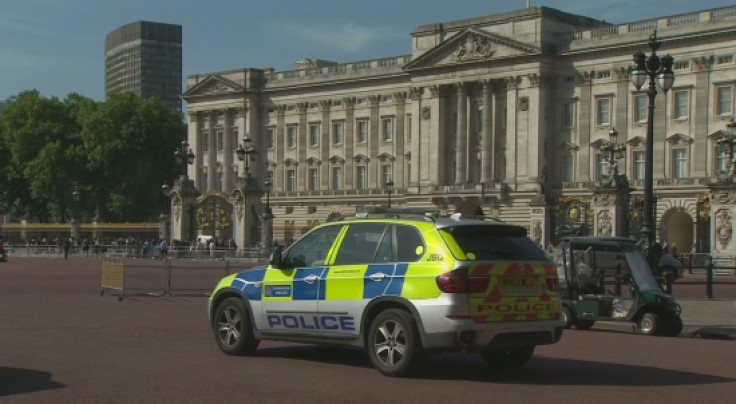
(184, 156)
(615, 152)
(244, 151)
(389, 190)
(268, 217)
(659, 71)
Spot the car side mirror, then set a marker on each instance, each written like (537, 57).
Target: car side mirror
(276, 260)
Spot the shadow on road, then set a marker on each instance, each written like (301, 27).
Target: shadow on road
(18, 381)
(538, 371)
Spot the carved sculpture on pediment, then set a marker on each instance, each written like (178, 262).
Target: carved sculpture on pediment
(215, 88)
(474, 47)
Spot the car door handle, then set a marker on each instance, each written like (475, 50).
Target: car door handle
(311, 279)
(377, 277)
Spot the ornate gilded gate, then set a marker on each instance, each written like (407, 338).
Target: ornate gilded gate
(213, 217)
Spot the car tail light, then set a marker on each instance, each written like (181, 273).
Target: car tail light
(553, 283)
(458, 281)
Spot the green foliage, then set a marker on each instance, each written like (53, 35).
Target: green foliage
(116, 153)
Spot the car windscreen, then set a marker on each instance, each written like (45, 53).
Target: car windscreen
(495, 242)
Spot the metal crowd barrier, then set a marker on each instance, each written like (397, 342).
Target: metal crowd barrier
(166, 277)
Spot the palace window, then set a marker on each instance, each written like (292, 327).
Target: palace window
(313, 179)
(362, 135)
(291, 137)
(639, 165)
(314, 134)
(603, 111)
(567, 168)
(724, 100)
(681, 107)
(679, 161)
(337, 133)
(336, 178)
(361, 180)
(640, 108)
(568, 115)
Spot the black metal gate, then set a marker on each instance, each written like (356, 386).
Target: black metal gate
(213, 217)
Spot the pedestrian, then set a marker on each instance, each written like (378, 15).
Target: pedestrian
(164, 246)
(85, 247)
(67, 246)
(674, 250)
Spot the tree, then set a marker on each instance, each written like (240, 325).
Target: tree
(129, 143)
(115, 153)
(39, 137)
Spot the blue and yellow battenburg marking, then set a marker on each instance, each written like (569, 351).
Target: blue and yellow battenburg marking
(351, 282)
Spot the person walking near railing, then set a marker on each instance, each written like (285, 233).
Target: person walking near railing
(67, 246)
(164, 246)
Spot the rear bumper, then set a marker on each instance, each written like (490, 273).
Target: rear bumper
(471, 336)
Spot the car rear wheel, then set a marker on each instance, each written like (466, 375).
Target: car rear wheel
(506, 359)
(649, 324)
(393, 343)
(232, 327)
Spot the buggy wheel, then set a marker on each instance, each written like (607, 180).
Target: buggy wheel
(650, 324)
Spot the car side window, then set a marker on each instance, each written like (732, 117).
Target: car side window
(409, 244)
(312, 248)
(361, 243)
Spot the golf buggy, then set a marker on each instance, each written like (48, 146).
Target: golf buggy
(609, 279)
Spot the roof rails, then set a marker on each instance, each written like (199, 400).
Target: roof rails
(382, 212)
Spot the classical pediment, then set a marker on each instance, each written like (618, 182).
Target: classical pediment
(469, 46)
(213, 85)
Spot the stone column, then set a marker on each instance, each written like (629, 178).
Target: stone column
(212, 152)
(349, 142)
(486, 140)
(461, 135)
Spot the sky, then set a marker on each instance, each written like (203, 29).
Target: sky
(58, 46)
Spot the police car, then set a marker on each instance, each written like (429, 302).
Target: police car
(398, 286)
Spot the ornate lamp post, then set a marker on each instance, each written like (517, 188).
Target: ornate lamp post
(389, 190)
(184, 156)
(268, 217)
(615, 152)
(244, 151)
(658, 70)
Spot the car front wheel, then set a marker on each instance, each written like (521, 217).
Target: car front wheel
(393, 343)
(232, 328)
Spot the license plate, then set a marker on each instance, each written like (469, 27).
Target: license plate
(517, 282)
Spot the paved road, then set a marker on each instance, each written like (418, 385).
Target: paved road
(61, 342)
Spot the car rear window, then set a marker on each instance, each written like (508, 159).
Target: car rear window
(495, 242)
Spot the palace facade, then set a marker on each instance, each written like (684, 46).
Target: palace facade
(506, 116)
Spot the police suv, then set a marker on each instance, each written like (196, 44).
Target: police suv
(398, 285)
